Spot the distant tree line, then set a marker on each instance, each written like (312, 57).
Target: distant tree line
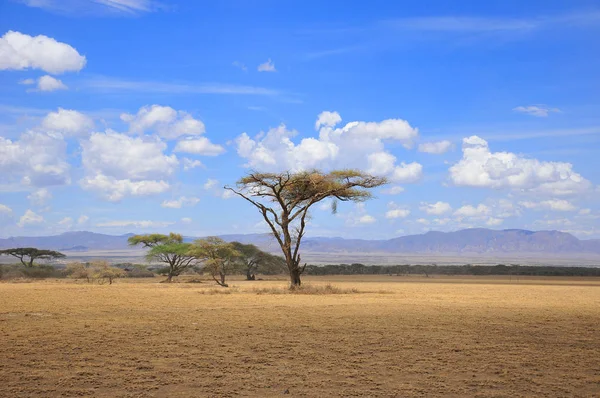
(427, 270)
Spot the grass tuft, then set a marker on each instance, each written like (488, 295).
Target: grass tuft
(307, 289)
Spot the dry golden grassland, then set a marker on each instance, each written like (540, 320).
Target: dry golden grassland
(390, 337)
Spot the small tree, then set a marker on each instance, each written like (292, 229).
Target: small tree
(256, 261)
(78, 270)
(169, 249)
(27, 255)
(103, 271)
(219, 257)
(284, 199)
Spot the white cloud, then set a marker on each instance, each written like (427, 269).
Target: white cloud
(436, 148)
(393, 190)
(68, 122)
(82, 219)
(492, 221)
(19, 51)
(406, 173)
(481, 168)
(39, 159)
(423, 221)
(97, 7)
(186, 220)
(268, 66)
(30, 218)
(552, 204)
(397, 213)
(4, 209)
(240, 65)
(536, 110)
(585, 212)
(27, 82)
(114, 190)
(40, 197)
(436, 208)
(356, 145)
(227, 194)
(210, 183)
(366, 219)
(49, 83)
(199, 146)
(137, 224)
(328, 119)
(472, 211)
(189, 164)
(124, 157)
(165, 121)
(178, 203)
(66, 222)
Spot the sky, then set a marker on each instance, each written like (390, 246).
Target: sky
(121, 116)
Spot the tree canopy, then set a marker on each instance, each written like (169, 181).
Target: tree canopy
(284, 199)
(217, 256)
(256, 261)
(27, 255)
(169, 249)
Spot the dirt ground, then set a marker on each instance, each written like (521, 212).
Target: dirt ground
(397, 337)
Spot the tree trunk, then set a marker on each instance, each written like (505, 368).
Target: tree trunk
(223, 280)
(295, 277)
(250, 275)
(169, 278)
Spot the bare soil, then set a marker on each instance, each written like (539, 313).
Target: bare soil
(395, 337)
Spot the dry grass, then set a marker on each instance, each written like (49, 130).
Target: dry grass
(429, 337)
(306, 289)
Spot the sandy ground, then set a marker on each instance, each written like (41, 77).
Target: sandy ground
(399, 337)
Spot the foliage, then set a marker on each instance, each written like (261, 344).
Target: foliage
(500, 269)
(218, 257)
(256, 261)
(102, 271)
(78, 270)
(169, 249)
(27, 255)
(284, 199)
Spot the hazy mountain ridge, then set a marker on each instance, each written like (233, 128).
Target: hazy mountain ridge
(468, 241)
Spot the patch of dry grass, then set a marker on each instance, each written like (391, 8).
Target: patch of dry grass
(306, 289)
(140, 338)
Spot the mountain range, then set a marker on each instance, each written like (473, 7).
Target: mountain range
(476, 241)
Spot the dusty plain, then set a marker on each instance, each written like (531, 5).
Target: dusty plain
(398, 337)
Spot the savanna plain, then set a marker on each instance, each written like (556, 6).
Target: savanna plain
(379, 336)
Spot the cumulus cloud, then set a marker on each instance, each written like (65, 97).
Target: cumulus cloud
(393, 190)
(66, 222)
(481, 168)
(178, 203)
(189, 164)
(165, 121)
(49, 83)
(436, 148)
(20, 51)
(328, 119)
(38, 159)
(436, 208)
(268, 66)
(356, 145)
(118, 165)
(536, 110)
(552, 204)
(396, 211)
(210, 183)
(114, 190)
(30, 218)
(472, 211)
(121, 156)
(199, 146)
(40, 197)
(82, 219)
(186, 220)
(68, 122)
(4, 209)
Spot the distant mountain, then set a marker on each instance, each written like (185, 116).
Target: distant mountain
(476, 241)
(69, 241)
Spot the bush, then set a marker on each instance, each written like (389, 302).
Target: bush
(8, 272)
(307, 289)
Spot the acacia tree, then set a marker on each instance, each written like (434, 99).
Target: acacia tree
(102, 271)
(27, 255)
(284, 199)
(169, 249)
(218, 257)
(256, 261)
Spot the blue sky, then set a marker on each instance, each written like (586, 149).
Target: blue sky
(131, 115)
